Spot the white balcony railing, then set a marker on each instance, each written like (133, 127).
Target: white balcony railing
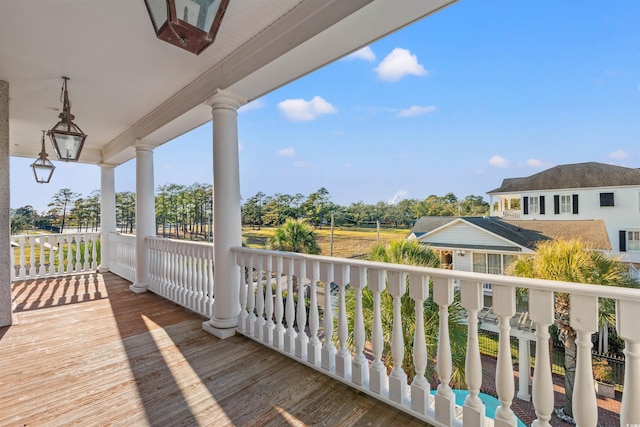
(122, 255)
(182, 272)
(264, 314)
(508, 214)
(47, 255)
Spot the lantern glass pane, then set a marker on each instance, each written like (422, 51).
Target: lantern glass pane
(68, 145)
(43, 169)
(158, 11)
(198, 13)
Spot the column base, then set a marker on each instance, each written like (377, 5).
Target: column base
(222, 333)
(139, 288)
(103, 269)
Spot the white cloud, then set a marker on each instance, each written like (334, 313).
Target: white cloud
(619, 155)
(498, 162)
(534, 163)
(416, 110)
(298, 110)
(400, 195)
(253, 105)
(399, 63)
(302, 164)
(365, 53)
(287, 152)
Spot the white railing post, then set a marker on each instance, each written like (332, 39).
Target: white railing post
(301, 310)
(398, 377)
(314, 346)
(258, 328)
(343, 356)
(473, 409)
(94, 252)
(420, 388)
(32, 256)
(627, 326)
(268, 327)
(444, 398)
(251, 298)
(278, 336)
(22, 272)
(244, 285)
(328, 349)
(504, 305)
(378, 382)
(42, 270)
(359, 365)
(61, 240)
(584, 320)
(290, 334)
(541, 312)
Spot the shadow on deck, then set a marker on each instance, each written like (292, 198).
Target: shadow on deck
(87, 351)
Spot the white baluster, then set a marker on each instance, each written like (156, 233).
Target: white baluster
(278, 335)
(78, 253)
(42, 271)
(541, 312)
(32, 257)
(69, 254)
(359, 365)
(524, 369)
(472, 300)
(398, 377)
(290, 335)
(244, 283)
(378, 382)
(343, 356)
(584, 320)
(504, 305)
(94, 252)
(85, 239)
(22, 272)
(628, 330)
(12, 261)
(301, 310)
(420, 387)
(61, 254)
(267, 329)
(259, 300)
(444, 398)
(314, 346)
(52, 254)
(328, 349)
(251, 298)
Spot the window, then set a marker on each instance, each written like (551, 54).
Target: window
(491, 263)
(565, 203)
(534, 205)
(633, 240)
(606, 199)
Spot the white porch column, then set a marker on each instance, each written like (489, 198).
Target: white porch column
(145, 213)
(107, 212)
(5, 221)
(524, 369)
(226, 214)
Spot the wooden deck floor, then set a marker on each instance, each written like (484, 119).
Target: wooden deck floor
(89, 352)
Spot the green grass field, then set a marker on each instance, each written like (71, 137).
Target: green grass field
(348, 242)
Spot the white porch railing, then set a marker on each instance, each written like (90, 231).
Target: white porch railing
(263, 316)
(508, 214)
(182, 272)
(47, 255)
(122, 255)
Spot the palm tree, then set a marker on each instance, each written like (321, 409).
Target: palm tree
(572, 261)
(411, 252)
(294, 236)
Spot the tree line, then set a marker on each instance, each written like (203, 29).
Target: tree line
(186, 211)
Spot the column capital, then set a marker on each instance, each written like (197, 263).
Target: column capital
(225, 99)
(141, 145)
(107, 166)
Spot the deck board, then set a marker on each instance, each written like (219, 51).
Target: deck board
(89, 352)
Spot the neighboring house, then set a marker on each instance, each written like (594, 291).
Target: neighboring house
(579, 191)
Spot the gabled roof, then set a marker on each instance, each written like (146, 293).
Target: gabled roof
(527, 234)
(578, 175)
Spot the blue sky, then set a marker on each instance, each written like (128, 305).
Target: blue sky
(478, 92)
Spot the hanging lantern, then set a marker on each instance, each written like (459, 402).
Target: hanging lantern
(42, 167)
(66, 136)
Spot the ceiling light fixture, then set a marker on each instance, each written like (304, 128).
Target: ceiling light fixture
(42, 167)
(189, 24)
(66, 136)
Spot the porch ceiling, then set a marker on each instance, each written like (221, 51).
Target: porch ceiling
(127, 85)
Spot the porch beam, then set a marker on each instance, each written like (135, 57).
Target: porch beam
(226, 214)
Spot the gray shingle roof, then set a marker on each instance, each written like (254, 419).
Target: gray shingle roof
(578, 175)
(528, 233)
